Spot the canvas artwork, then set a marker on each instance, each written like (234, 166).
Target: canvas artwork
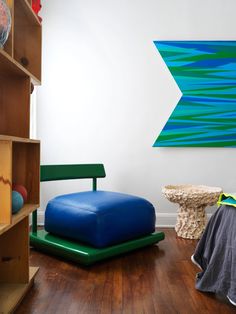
(205, 72)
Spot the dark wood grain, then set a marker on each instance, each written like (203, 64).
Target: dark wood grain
(156, 279)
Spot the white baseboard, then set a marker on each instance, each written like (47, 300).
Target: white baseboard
(162, 220)
(166, 219)
(40, 217)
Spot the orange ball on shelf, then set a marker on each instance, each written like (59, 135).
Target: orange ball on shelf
(22, 190)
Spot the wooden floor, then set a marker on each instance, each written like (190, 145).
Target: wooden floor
(157, 279)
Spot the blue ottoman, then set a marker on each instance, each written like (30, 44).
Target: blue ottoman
(100, 218)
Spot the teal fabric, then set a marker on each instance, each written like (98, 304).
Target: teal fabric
(227, 199)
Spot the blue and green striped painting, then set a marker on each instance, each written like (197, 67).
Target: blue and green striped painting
(205, 72)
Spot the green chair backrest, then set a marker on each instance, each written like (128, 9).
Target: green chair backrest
(69, 172)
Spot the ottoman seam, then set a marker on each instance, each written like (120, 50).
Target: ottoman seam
(101, 214)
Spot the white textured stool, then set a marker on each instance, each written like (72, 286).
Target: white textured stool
(192, 200)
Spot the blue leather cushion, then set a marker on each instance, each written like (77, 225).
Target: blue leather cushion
(100, 218)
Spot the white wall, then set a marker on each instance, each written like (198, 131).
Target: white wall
(107, 93)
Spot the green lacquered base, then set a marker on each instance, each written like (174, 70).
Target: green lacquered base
(85, 254)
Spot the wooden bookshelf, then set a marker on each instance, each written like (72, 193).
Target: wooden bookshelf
(24, 212)
(12, 68)
(15, 106)
(19, 164)
(21, 55)
(12, 294)
(28, 13)
(27, 38)
(8, 47)
(20, 65)
(18, 139)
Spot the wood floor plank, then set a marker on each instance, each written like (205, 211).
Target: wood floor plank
(157, 279)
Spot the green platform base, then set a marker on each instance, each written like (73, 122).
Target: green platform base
(85, 254)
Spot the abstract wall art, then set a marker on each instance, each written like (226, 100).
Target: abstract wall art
(205, 115)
